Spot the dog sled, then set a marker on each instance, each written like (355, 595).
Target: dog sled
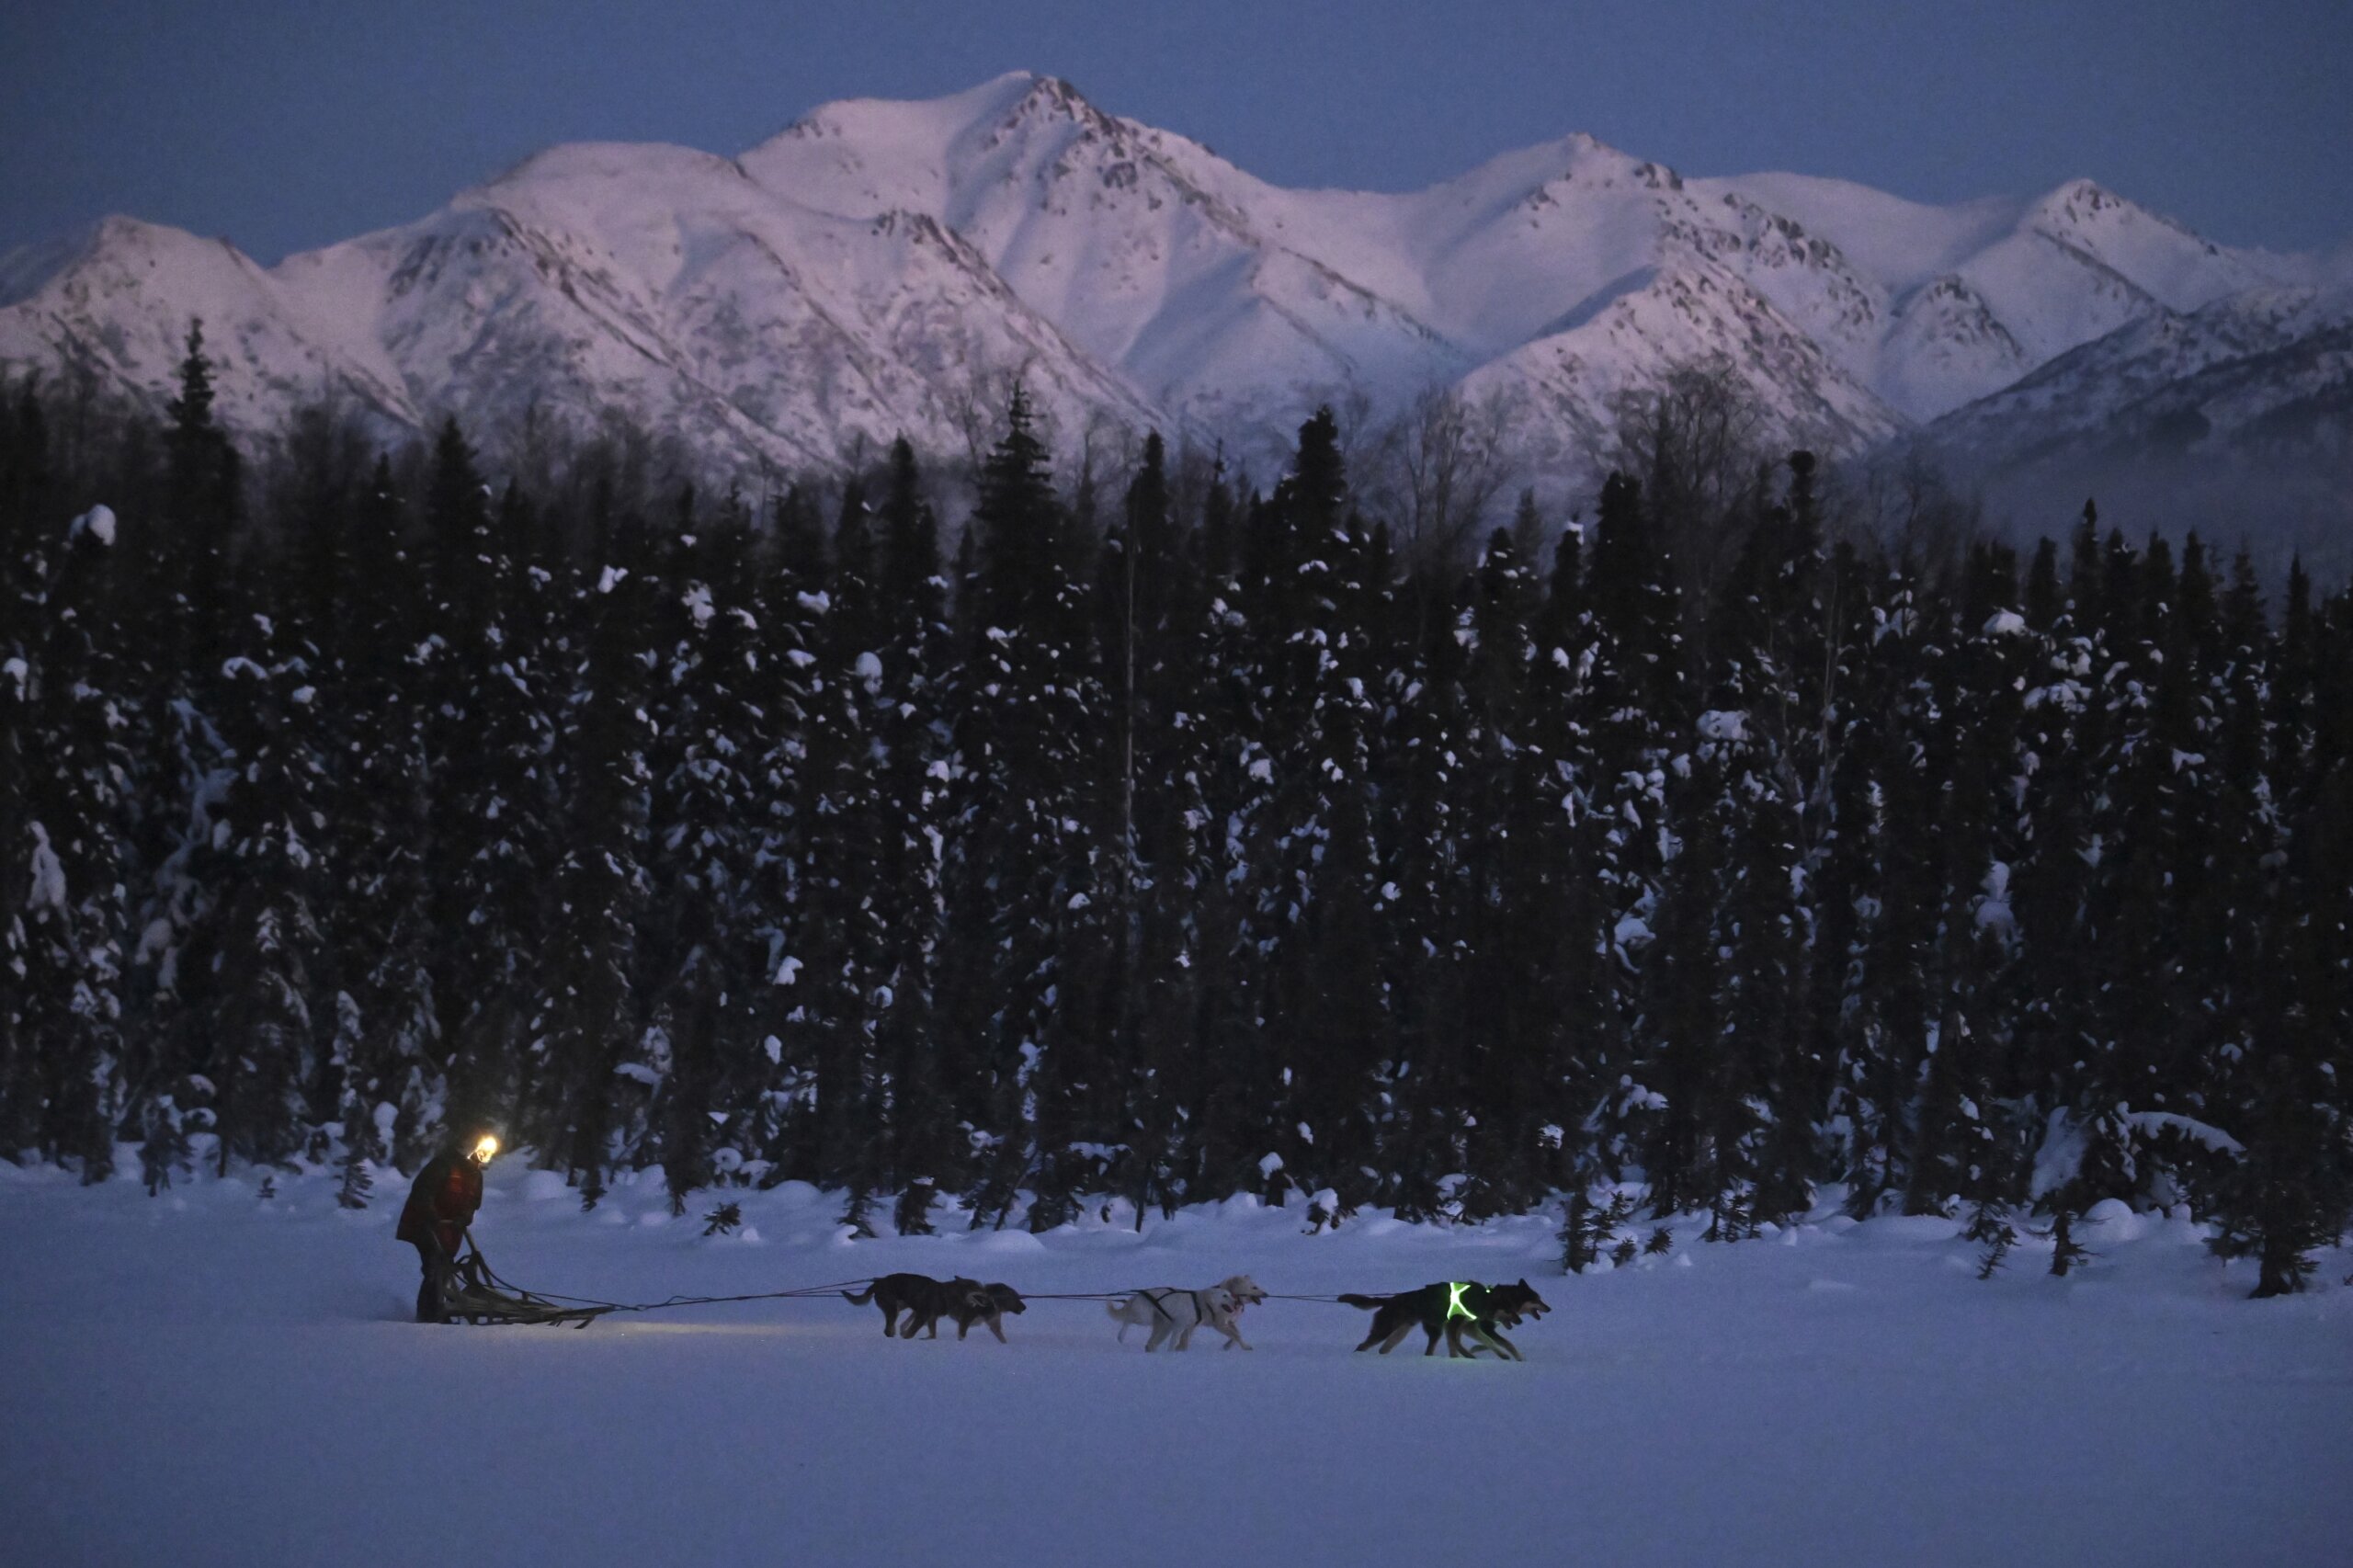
(472, 1292)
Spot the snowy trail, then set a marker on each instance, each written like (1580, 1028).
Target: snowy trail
(242, 1390)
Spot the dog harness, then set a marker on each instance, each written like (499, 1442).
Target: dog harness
(1200, 1309)
(1454, 1307)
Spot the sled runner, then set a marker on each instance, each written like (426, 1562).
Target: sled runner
(472, 1292)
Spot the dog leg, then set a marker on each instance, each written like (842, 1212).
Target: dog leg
(1397, 1336)
(996, 1327)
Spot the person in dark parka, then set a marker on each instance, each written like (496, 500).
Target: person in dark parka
(441, 1204)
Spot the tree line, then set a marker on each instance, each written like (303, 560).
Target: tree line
(1156, 839)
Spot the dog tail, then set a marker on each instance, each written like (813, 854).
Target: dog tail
(859, 1301)
(1118, 1304)
(1370, 1303)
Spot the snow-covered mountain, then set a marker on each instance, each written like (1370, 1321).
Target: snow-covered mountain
(2271, 364)
(2236, 418)
(883, 266)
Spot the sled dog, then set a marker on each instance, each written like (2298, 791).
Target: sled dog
(1171, 1312)
(926, 1300)
(987, 1304)
(1452, 1308)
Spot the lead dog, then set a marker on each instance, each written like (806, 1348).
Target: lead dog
(1171, 1312)
(1452, 1308)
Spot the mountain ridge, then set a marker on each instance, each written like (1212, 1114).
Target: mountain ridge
(880, 267)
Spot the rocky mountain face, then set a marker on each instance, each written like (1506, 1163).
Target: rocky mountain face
(881, 267)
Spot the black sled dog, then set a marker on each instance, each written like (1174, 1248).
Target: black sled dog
(1452, 1308)
(926, 1300)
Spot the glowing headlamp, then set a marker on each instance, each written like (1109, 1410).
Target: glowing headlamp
(484, 1148)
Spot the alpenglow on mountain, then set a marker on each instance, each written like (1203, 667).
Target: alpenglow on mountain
(881, 267)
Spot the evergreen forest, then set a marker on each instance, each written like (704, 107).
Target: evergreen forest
(1135, 834)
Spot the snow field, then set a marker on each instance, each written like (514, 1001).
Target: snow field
(212, 1378)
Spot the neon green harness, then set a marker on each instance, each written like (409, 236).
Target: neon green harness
(1454, 1307)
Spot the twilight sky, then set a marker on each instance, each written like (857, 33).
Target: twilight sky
(285, 125)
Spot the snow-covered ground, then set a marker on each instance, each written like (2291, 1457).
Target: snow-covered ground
(214, 1378)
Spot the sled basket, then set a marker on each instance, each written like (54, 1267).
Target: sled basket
(470, 1293)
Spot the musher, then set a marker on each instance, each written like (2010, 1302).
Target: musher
(441, 1204)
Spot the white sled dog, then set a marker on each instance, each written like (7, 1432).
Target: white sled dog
(1171, 1312)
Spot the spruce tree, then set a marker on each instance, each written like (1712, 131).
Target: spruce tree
(70, 928)
(1024, 877)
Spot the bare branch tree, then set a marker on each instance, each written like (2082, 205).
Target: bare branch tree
(1439, 467)
(1695, 439)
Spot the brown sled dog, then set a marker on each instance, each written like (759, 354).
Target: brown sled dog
(926, 1300)
(1452, 1308)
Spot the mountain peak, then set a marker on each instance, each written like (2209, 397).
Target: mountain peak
(1051, 102)
(1054, 95)
(2079, 200)
(116, 239)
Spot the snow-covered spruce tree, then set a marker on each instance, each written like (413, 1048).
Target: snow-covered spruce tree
(1226, 1134)
(1024, 896)
(1430, 771)
(1631, 696)
(266, 1057)
(2057, 745)
(601, 1072)
(343, 606)
(2292, 1190)
(1329, 986)
(24, 474)
(2290, 1193)
(1838, 826)
(1968, 1133)
(193, 624)
(840, 924)
(1763, 731)
(771, 1108)
(1899, 892)
(70, 912)
(2127, 907)
(1675, 1037)
(1556, 841)
(1514, 916)
(1238, 1082)
(707, 960)
(204, 503)
(1152, 609)
(925, 1156)
(1763, 1096)
(379, 836)
(486, 729)
(1634, 696)
(1311, 879)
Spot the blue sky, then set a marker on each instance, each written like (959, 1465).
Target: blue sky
(284, 125)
